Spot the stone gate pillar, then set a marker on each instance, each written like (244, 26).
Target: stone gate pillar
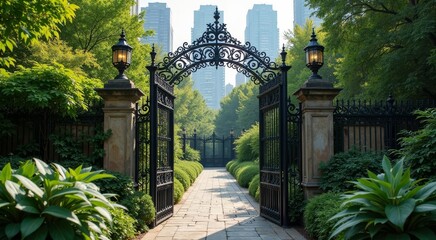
(120, 97)
(317, 132)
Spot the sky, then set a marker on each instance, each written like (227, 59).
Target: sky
(235, 12)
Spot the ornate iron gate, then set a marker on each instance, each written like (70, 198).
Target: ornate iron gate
(216, 47)
(161, 146)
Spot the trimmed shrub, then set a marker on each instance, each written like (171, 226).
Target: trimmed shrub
(241, 166)
(245, 150)
(188, 170)
(257, 195)
(254, 184)
(233, 167)
(140, 207)
(317, 213)
(123, 225)
(178, 191)
(246, 174)
(183, 177)
(229, 164)
(347, 166)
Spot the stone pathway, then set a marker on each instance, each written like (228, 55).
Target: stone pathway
(216, 208)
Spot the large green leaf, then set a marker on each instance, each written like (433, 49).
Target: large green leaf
(426, 191)
(27, 183)
(6, 173)
(30, 225)
(61, 212)
(61, 230)
(12, 229)
(43, 168)
(398, 214)
(424, 233)
(426, 207)
(40, 233)
(13, 189)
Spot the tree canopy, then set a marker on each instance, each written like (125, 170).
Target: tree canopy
(30, 20)
(387, 46)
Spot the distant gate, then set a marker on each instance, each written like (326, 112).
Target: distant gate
(217, 48)
(215, 151)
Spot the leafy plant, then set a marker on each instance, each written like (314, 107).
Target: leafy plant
(40, 202)
(178, 190)
(390, 205)
(247, 146)
(246, 174)
(254, 184)
(191, 154)
(182, 177)
(296, 202)
(317, 213)
(123, 225)
(140, 207)
(345, 167)
(419, 148)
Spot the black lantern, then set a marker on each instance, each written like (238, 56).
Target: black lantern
(314, 56)
(121, 55)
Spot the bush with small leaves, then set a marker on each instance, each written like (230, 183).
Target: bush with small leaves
(345, 167)
(140, 206)
(178, 191)
(123, 225)
(246, 174)
(254, 184)
(317, 213)
(182, 177)
(229, 164)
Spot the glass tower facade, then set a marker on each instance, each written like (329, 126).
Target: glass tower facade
(158, 18)
(208, 81)
(302, 13)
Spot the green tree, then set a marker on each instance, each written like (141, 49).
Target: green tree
(97, 27)
(387, 46)
(239, 110)
(297, 40)
(28, 21)
(191, 111)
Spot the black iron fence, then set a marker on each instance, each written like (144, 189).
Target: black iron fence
(215, 151)
(374, 126)
(46, 135)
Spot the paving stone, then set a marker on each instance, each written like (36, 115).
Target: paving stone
(216, 208)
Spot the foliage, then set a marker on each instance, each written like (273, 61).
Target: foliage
(372, 65)
(192, 111)
(122, 185)
(191, 172)
(22, 21)
(239, 110)
(183, 177)
(229, 164)
(42, 88)
(297, 40)
(317, 213)
(14, 160)
(257, 195)
(178, 191)
(390, 205)
(254, 184)
(70, 148)
(347, 166)
(296, 201)
(191, 154)
(246, 174)
(123, 225)
(247, 146)
(41, 202)
(419, 147)
(140, 206)
(97, 26)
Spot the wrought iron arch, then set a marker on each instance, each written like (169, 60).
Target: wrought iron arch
(217, 48)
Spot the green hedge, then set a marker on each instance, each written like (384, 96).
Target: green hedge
(317, 213)
(230, 164)
(348, 166)
(183, 177)
(178, 191)
(123, 225)
(247, 146)
(254, 185)
(246, 173)
(140, 206)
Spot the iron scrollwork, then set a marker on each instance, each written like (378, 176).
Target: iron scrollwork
(216, 47)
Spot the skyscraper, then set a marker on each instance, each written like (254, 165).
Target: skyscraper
(240, 79)
(158, 18)
(302, 13)
(261, 30)
(209, 81)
